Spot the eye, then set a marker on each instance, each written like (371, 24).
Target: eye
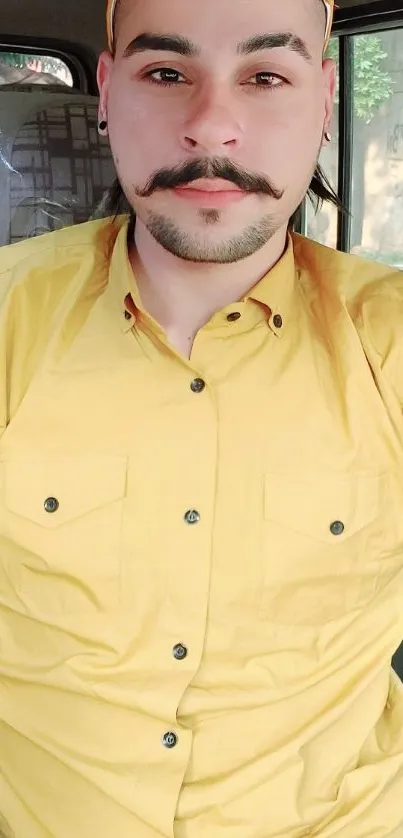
(166, 77)
(266, 80)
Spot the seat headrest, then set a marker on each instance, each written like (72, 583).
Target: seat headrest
(54, 165)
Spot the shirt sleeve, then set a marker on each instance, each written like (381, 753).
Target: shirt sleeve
(379, 322)
(24, 323)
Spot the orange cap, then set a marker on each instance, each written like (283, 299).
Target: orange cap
(110, 14)
(329, 6)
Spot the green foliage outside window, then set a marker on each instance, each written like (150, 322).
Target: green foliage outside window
(373, 85)
(44, 64)
(23, 61)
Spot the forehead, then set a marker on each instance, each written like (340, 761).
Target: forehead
(221, 24)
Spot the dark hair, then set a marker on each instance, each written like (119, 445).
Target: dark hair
(320, 191)
(115, 203)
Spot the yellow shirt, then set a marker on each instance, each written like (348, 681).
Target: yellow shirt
(201, 561)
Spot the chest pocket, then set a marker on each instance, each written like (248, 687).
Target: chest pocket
(60, 531)
(322, 541)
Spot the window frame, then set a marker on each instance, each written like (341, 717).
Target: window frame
(379, 16)
(80, 63)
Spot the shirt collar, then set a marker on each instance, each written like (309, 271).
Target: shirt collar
(275, 291)
(122, 285)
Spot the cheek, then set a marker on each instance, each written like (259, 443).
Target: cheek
(284, 125)
(139, 131)
(131, 104)
(284, 151)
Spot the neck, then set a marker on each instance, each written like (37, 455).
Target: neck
(183, 296)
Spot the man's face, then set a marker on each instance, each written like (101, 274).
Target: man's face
(229, 97)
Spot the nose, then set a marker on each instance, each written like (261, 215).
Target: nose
(212, 127)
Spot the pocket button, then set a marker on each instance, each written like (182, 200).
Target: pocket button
(51, 505)
(337, 528)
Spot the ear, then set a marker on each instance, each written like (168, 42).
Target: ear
(330, 82)
(105, 65)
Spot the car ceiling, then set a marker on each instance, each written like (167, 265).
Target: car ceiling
(78, 21)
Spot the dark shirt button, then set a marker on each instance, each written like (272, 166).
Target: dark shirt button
(236, 315)
(51, 505)
(180, 652)
(198, 385)
(192, 516)
(337, 528)
(170, 740)
(128, 316)
(278, 321)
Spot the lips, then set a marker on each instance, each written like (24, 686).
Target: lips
(210, 194)
(211, 186)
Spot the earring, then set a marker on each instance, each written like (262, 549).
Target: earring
(328, 136)
(102, 126)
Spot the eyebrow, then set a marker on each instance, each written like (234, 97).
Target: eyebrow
(183, 46)
(275, 40)
(161, 43)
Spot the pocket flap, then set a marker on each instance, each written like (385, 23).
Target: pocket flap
(316, 505)
(78, 484)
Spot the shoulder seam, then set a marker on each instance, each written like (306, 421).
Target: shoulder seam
(45, 251)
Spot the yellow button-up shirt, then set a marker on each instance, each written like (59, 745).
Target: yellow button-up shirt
(201, 560)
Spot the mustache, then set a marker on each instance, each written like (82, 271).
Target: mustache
(186, 173)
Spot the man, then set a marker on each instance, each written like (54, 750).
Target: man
(201, 465)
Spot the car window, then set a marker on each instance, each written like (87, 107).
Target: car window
(372, 150)
(18, 68)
